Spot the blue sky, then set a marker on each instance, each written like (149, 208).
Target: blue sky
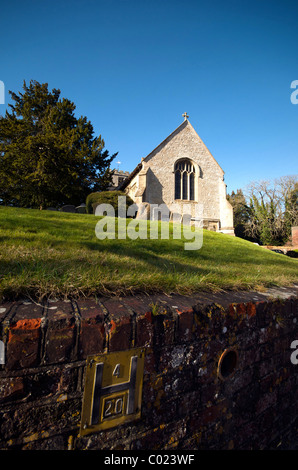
(133, 68)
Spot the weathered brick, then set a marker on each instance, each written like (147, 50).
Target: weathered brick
(173, 358)
(24, 336)
(61, 332)
(184, 401)
(249, 357)
(185, 325)
(120, 333)
(262, 317)
(169, 329)
(251, 309)
(266, 400)
(187, 402)
(245, 435)
(139, 305)
(11, 388)
(150, 363)
(144, 330)
(267, 365)
(23, 347)
(159, 330)
(212, 413)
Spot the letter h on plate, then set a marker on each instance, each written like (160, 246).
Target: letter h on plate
(113, 390)
(99, 391)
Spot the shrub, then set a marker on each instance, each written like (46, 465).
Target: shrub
(106, 197)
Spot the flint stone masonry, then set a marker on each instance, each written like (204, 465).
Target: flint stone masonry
(185, 405)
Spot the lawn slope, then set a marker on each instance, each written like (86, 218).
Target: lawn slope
(45, 253)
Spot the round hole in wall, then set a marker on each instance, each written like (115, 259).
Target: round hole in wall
(227, 363)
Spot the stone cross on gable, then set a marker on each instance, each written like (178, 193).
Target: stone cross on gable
(185, 115)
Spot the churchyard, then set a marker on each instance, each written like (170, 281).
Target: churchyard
(50, 254)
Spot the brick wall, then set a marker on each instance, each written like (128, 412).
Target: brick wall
(185, 404)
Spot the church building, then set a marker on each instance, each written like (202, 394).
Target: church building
(181, 172)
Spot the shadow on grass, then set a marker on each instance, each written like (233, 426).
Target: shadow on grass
(64, 260)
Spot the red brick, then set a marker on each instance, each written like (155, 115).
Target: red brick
(169, 324)
(245, 434)
(264, 313)
(250, 356)
(241, 309)
(61, 331)
(120, 326)
(116, 308)
(149, 363)
(11, 388)
(120, 334)
(138, 305)
(185, 325)
(164, 329)
(144, 330)
(28, 310)
(181, 304)
(266, 422)
(243, 315)
(212, 414)
(23, 347)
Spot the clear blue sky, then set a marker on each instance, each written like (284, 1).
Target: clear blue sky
(133, 68)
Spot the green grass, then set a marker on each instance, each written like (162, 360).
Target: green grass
(46, 253)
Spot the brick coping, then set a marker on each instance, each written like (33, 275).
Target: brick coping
(59, 331)
(170, 300)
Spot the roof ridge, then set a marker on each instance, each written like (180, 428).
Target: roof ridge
(184, 123)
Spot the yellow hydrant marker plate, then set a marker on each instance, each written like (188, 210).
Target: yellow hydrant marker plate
(113, 390)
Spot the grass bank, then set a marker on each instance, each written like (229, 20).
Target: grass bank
(45, 253)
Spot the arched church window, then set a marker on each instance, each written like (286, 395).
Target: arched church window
(185, 180)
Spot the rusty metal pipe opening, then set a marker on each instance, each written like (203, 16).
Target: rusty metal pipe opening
(227, 364)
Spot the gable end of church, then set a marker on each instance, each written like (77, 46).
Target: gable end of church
(181, 172)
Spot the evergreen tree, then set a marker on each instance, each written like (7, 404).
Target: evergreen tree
(48, 157)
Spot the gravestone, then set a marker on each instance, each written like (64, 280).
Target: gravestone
(143, 211)
(81, 209)
(175, 217)
(197, 222)
(186, 219)
(160, 213)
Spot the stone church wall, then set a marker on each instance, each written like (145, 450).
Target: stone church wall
(158, 185)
